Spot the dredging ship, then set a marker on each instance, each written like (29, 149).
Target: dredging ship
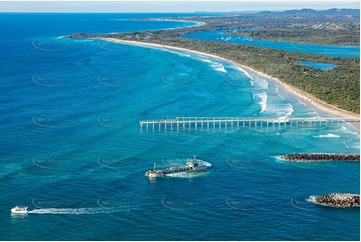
(193, 165)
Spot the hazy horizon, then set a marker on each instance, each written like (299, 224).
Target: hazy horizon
(168, 6)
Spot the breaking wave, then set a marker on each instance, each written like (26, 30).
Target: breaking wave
(218, 67)
(245, 73)
(206, 60)
(263, 103)
(327, 136)
(183, 54)
(278, 110)
(263, 84)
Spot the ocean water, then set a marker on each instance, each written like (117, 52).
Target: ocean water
(73, 152)
(331, 50)
(318, 65)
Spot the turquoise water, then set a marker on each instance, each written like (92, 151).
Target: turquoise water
(72, 150)
(331, 50)
(318, 65)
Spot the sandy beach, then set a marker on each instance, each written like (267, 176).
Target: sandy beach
(305, 97)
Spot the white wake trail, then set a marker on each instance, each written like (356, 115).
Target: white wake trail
(73, 210)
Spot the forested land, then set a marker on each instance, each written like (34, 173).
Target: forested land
(339, 86)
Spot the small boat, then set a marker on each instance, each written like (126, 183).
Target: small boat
(20, 210)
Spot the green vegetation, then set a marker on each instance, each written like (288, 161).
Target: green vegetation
(339, 86)
(329, 36)
(328, 27)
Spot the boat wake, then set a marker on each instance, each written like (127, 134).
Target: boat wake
(207, 164)
(187, 174)
(74, 210)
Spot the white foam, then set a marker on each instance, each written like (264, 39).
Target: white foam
(313, 114)
(183, 54)
(207, 164)
(73, 210)
(178, 174)
(245, 73)
(263, 96)
(83, 40)
(280, 110)
(218, 67)
(206, 60)
(301, 102)
(327, 136)
(263, 84)
(289, 113)
(347, 130)
(187, 174)
(311, 198)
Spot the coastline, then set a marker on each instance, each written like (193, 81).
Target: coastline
(198, 23)
(303, 96)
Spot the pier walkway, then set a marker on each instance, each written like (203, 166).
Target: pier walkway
(239, 122)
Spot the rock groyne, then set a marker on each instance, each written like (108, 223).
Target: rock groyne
(321, 157)
(339, 200)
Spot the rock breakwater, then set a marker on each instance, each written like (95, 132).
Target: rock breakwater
(321, 157)
(340, 200)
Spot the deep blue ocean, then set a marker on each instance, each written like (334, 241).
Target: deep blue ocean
(73, 152)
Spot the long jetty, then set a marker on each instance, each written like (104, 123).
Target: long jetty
(213, 122)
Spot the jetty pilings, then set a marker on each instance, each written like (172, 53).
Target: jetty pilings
(231, 122)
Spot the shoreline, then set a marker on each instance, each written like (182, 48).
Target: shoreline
(309, 99)
(198, 23)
